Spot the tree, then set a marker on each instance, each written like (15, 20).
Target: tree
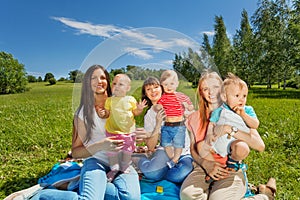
(31, 79)
(12, 75)
(48, 76)
(270, 38)
(76, 76)
(244, 65)
(206, 45)
(221, 47)
(190, 65)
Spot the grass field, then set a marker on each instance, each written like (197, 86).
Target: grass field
(35, 132)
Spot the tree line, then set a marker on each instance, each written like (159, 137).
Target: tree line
(265, 49)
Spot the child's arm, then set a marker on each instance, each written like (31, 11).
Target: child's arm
(140, 107)
(188, 107)
(251, 122)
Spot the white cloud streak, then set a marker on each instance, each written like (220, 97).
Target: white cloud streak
(208, 33)
(139, 53)
(145, 40)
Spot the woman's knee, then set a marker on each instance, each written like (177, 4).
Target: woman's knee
(189, 193)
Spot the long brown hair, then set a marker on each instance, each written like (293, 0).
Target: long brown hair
(87, 101)
(203, 104)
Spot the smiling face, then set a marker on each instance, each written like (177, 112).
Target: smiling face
(210, 90)
(99, 82)
(153, 92)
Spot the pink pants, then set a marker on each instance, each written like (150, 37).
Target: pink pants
(129, 141)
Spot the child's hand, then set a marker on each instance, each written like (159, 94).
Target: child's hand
(141, 105)
(239, 110)
(101, 113)
(185, 104)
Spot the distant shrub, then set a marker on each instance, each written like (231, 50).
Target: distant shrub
(292, 84)
(52, 81)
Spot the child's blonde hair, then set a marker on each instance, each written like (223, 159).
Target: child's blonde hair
(168, 74)
(232, 79)
(124, 77)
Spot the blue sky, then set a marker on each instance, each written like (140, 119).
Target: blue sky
(60, 36)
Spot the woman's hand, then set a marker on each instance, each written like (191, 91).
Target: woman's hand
(220, 130)
(160, 116)
(215, 170)
(112, 144)
(140, 134)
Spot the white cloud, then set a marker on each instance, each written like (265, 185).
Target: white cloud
(208, 33)
(89, 28)
(167, 62)
(138, 39)
(139, 53)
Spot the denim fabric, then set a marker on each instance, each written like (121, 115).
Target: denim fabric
(92, 184)
(54, 194)
(124, 186)
(173, 136)
(156, 168)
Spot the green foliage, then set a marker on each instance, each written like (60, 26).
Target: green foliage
(221, 47)
(52, 81)
(12, 75)
(48, 76)
(76, 76)
(31, 79)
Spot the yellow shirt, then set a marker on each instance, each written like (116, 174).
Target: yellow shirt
(121, 118)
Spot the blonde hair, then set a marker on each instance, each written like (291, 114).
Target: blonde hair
(168, 74)
(232, 79)
(124, 77)
(203, 104)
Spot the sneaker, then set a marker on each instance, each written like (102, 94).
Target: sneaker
(25, 194)
(171, 164)
(60, 174)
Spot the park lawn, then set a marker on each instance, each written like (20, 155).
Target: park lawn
(35, 132)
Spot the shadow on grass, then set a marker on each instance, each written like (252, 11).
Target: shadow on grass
(275, 93)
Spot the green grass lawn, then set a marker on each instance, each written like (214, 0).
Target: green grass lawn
(35, 132)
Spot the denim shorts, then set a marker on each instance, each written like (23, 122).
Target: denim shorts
(173, 136)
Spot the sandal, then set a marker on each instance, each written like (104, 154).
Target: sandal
(269, 189)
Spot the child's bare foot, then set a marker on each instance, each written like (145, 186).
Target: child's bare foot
(111, 175)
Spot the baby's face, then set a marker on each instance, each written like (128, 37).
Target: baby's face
(120, 87)
(236, 95)
(170, 85)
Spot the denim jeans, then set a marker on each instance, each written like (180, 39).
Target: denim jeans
(54, 194)
(173, 136)
(92, 183)
(156, 167)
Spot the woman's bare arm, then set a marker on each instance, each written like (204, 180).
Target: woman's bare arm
(79, 150)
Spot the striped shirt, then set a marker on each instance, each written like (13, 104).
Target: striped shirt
(172, 103)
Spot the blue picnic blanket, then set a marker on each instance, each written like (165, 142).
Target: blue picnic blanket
(160, 190)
